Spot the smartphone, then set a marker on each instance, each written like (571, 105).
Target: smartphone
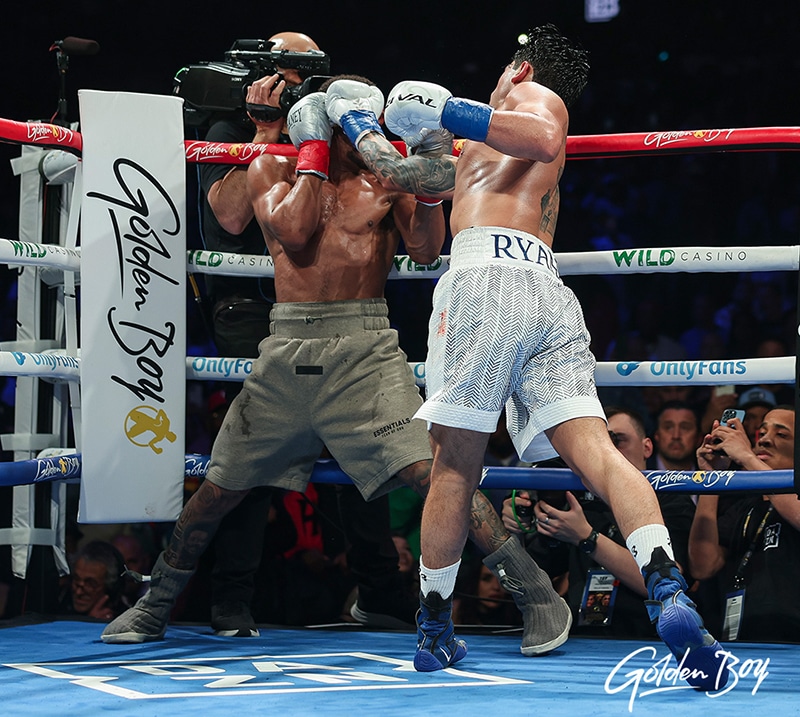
(729, 414)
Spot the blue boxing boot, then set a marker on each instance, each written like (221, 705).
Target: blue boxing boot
(437, 645)
(680, 626)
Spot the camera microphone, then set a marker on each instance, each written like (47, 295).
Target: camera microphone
(76, 46)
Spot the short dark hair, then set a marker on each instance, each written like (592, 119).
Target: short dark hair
(678, 406)
(357, 78)
(558, 63)
(635, 416)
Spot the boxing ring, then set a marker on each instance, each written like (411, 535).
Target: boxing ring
(618, 676)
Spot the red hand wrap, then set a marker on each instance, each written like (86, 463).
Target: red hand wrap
(313, 157)
(427, 201)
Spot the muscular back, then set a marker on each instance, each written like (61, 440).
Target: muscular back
(515, 184)
(493, 189)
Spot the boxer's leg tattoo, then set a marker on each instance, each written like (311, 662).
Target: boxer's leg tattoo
(198, 522)
(485, 527)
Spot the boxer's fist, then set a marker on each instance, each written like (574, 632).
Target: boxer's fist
(348, 95)
(431, 143)
(354, 106)
(310, 131)
(308, 120)
(413, 107)
(416, 106)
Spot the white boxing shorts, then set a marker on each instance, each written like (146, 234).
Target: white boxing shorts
(505, 331)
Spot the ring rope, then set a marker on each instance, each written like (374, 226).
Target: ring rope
(68, 467)
(596, 146)
(56, 366)
(41, 134)
(665, 260)
(702, 259)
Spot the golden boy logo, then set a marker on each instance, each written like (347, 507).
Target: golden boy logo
(146, 427)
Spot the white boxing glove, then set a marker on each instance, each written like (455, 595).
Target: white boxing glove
(310, 131)
(416, 106)
(355, 106)
(413, 107)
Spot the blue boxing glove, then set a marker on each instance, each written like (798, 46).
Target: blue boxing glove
(310, 131)
(355, 106)
(416, 106)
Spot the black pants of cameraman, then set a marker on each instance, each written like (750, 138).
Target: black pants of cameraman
(239, 326)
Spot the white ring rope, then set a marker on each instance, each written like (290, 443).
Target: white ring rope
(625, 261)
(52, 256)
(56, 366)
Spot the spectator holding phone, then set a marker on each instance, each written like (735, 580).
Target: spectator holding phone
(721, 398)
(755, 402)
(750, 545)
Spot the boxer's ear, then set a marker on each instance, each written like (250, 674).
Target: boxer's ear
(522, 72)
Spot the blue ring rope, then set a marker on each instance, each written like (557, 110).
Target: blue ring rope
(68, 467)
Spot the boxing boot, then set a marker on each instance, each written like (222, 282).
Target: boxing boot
(147, 619)
(437, 644)
(546, 617)
(680, 626)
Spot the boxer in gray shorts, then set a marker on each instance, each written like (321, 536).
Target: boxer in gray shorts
(330, 374)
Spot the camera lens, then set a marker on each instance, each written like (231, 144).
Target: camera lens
(525, 511)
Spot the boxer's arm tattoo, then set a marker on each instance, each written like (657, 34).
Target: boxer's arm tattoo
(424, 176)
(198, 522)
(485, 527)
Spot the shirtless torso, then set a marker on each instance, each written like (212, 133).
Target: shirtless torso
(336, 240)
(493, 188)
(510, 180)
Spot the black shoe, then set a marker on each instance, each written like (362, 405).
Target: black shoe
(385, 617)
(388, 608)
(233, 619)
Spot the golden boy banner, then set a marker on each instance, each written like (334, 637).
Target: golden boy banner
(133, 307)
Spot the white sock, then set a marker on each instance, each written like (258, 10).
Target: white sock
(439, 580)
(643, 541)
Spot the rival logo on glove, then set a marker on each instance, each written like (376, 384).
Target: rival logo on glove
(427, 101)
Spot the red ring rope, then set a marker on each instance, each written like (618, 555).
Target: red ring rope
(579, 147)
(41, 134)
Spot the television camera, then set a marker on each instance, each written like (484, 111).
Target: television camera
(215, 90)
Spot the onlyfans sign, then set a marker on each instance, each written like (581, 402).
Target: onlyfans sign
(133, 307)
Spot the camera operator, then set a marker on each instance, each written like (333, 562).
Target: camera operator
(240, 319)
(240, 306)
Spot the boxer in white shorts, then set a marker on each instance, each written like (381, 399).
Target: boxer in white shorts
(505, 331)
(507, 175)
